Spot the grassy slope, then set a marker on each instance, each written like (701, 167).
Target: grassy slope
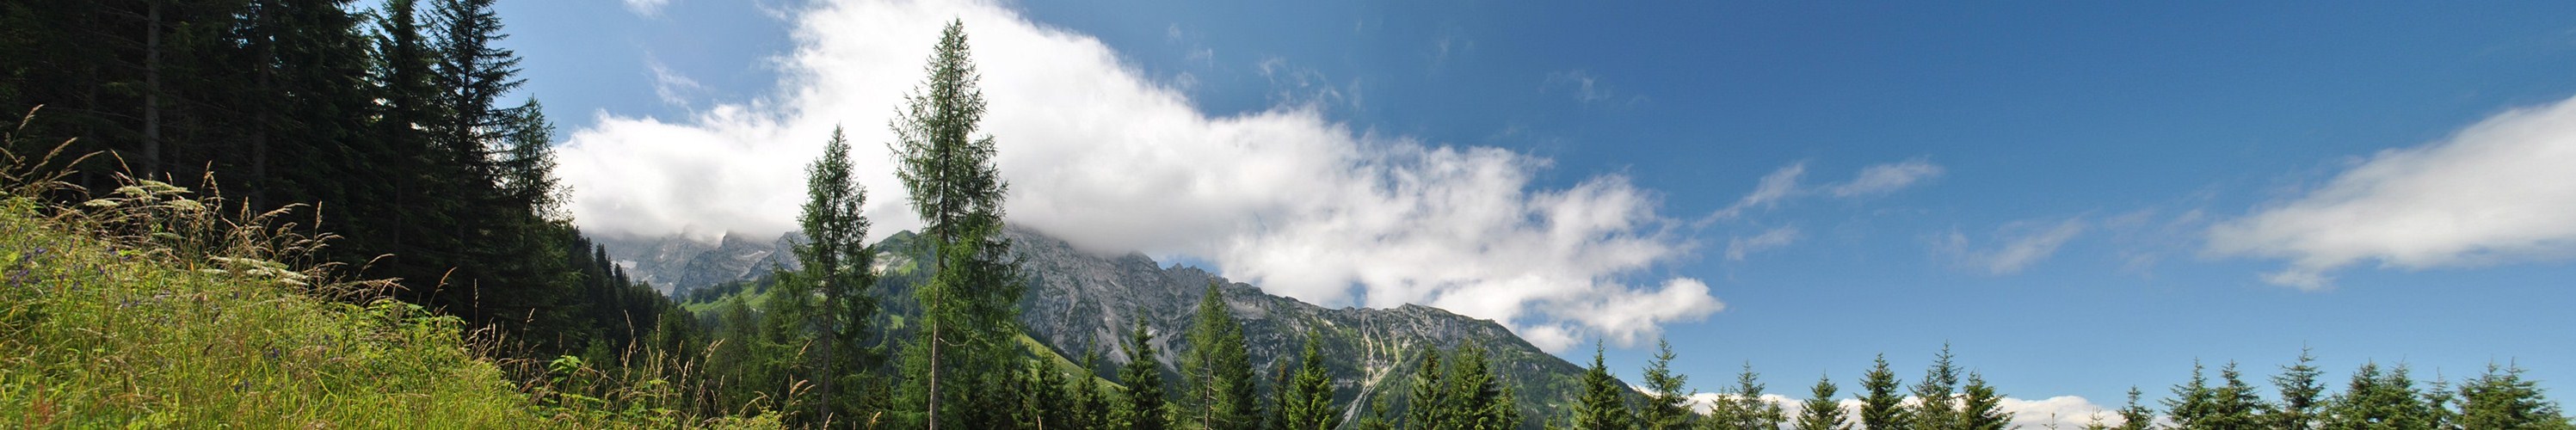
(91, 336)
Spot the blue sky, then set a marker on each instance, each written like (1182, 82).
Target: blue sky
(2079, 197)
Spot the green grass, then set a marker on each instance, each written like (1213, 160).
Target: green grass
(96, 331)
(91, 335)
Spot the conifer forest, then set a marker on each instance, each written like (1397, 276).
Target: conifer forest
(333, 213)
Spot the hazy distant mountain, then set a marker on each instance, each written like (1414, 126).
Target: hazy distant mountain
(678, 264)
(1078, 300)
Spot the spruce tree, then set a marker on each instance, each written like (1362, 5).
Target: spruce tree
(1821, 411)
(2379, 399)
(970, 306)
(1744, 408)
(2194, 402)
(1937, 394)
(2501, 399)
(1143, 378)
(1377, 418)
(1219, 370)
(1603, 404)
(1882, 408)
(1091, 407)
(2136, 416)
(2235, 405)
(1474, 398)
(1310, 395)
(1667, 405)
(1981, 408)
(1427, 406)
(835, 260)
(2300, 393)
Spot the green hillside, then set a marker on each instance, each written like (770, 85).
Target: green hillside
(126, 330)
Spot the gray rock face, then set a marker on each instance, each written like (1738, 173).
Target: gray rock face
(1079, 301)
(677, 264)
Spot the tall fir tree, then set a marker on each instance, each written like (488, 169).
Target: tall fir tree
(834, 260)
(2193, 401)
(2136, 415)
(1218, 369)
(1475, 399)
(1310, 395)
(1882, 407)
(1743, 407)
(1427, 404)
(1143, 380)
(1980, 407)
(1603, 404)
(2234, 404)
(1091, 406)
(1667, 398)
(2378, 399)
(1937, 393)
(2300, 392)
(2502, 399)
(1821, 411)
(970, 306)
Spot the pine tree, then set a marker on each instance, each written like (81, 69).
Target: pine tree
(1743, 408)
(1427, 405)
(1310, 396)
(2501, 399)
(1603, 405)
(835, 260)
(1377, 418)
(2235, 405)
(1982, 408)
(1667, 405)
(1091, 407)
(1275, 411)
(2136, 416)
(1881, 407)
(2193, 402)
(970, 306)
(2300, 393)
(1143, 377)
(1938, 394)
(1821, 411)
(1219, 370)
(1474, 398)
(2377, 399)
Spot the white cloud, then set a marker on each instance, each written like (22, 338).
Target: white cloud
(1738, 247)
(646, 7)
(2502, 190)
(1110, 160)
(1886, 178)
(2023, 243)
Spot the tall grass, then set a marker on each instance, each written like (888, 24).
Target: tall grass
(147, 307)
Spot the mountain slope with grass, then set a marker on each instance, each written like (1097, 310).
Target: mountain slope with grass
(144, 309)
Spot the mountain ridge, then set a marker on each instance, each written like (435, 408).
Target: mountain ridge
(1079, 301)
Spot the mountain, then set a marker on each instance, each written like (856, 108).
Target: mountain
(1079, 301)
(677, 264)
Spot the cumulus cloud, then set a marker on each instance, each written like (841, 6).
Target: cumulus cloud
(1738, 247)
(2016, 245)
(1113, 161)
(2501, 190)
